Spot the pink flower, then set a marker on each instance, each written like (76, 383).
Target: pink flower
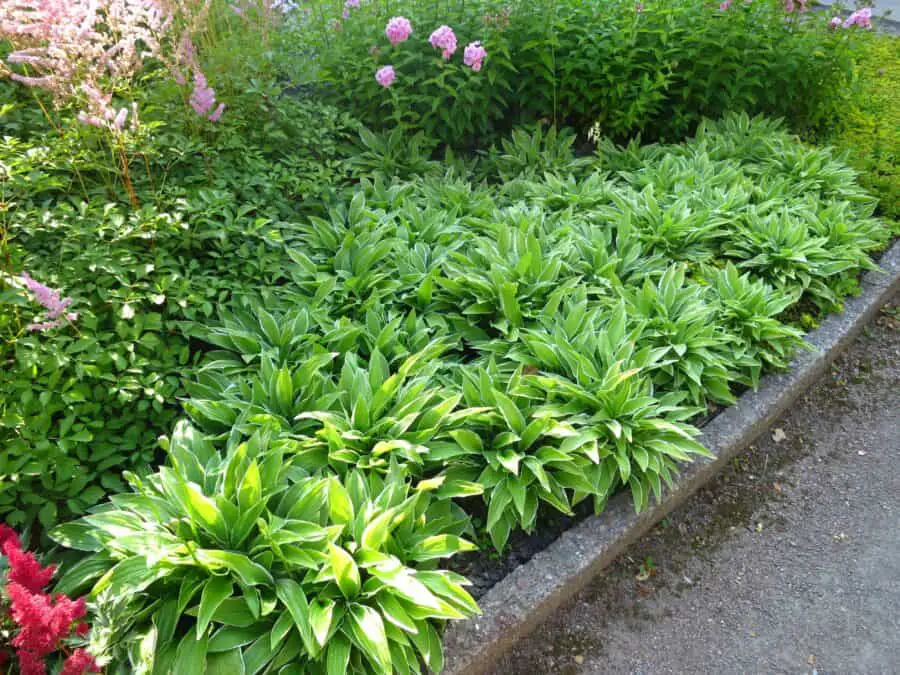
(444, 39)
(398, 30)
(835, 22)
(352, 3)
(385, 76)
(119, 121)
(7, 534)
(861, 17)
(203, 98)
(474, 55)
(346, 14)
(217, 113)
(639, 7)
(49, 299)
(725, 5)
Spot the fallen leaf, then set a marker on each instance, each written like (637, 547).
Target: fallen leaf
(778, 435)
(811, 660)
(579, 659)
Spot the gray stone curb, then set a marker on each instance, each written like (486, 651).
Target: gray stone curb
(529, 594)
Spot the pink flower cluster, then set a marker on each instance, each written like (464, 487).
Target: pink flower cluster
(398, 30)
(385, 76)
(444, 38)
(474, 55)
(100, 113)
(49, 299)
(41, 623)
(861, 17)
(203, 97)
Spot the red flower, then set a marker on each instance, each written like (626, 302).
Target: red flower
(30, 664)
(42, 622)
(7, 534)
(78, 663)
(24, 569)
(82, 629)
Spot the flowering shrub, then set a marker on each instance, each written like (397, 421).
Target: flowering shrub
(36, 626)
(655, 68)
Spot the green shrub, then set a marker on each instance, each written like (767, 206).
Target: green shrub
(83, 402)
(869, 128)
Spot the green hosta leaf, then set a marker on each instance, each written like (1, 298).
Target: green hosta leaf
(321, 614)
(215, 591)
(439, 546)
(250, 491)
(291, 594)
(367, 632)
(511, 413)
(249, 572)
(339, 504)
(394, 613)
(191, 655)
(338, 656)
(225, 663)
(346, 572)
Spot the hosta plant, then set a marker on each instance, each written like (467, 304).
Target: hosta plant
(513, 455)
(600, 384)
(235, 560)
(679, 317)
(749, 308)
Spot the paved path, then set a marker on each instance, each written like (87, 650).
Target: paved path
(789, 563)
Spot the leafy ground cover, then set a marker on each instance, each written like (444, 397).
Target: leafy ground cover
(279, 343)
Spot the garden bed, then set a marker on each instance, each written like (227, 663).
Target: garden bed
(276, 365)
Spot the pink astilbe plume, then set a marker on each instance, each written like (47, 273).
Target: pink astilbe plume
(64, 43)
(49, 299)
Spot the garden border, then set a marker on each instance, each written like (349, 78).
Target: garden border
(529, 594)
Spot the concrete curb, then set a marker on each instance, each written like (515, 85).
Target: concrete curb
(524, 598)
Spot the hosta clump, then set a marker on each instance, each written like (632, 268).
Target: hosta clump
(749, 308)
(513, 455)
(234, 559)
(678, 319)
(779, 248)
(381, 415)
(615, 256)
(600, 385)
(502, 281)
(530, 154)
